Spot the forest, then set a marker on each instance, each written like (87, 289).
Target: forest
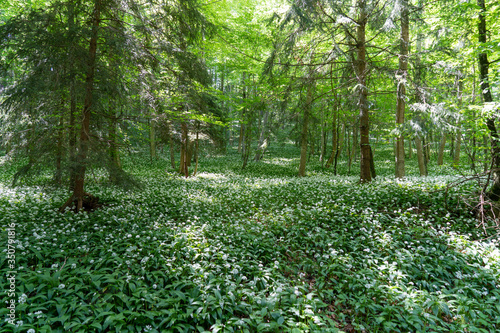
(250, 166)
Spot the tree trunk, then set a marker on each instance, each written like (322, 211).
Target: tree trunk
(349, 151)
(114, 153)
(486, 162)
(484, 65)
(372, 164)
(452, 146)
(364, 122)
(242, 120)
(246, 134)
(474, 138)
(81, 159)
(456, 157)
(355, 143)
(422, 167)
(334, 138)
(152, 139)
(240, 138)
(305, 125)
(458, 140)
(196, 149)
(442, 145)
(59, 153)
(184, 150)
(263, 139)
(72, 105)
(247, 142)
(322, 152)
(402, 76)
(171, 146)
(410, 150)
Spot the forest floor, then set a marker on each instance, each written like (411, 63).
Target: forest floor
(258, 250)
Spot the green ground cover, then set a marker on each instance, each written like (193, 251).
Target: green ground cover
(257, 250)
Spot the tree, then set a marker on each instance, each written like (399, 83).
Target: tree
(484, 64)
(402, 77)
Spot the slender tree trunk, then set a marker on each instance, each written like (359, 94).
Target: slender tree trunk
(474, 138)
(402, 76)
(372, 164)
(78, 191)
(305, 125)
(72, 105)
(247, 142)
(114, 153)
(452, 146)
(152, 139)
(311, 140)
(349, 151)
(486, 160)
(456, 156)
(355, 143)
(410, 150)
(263, 138)
(322, 152)
(458, 140)
(340, 146)
(184, 150)
(420, 97)
(242, 124)
(487, 98)
(364, 122)
(442, 145)
(246, 134)
(171, 146)
(196, 153)
(59, 153)
(422, 167)
(334, 138)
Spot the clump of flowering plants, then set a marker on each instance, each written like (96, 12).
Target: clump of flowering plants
(257, 250)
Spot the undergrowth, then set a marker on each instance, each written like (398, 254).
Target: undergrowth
(254, 250)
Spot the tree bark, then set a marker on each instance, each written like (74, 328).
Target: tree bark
(152, 138)
(196, 149)
(458, 140)
(422, 167)
(402, 75)
(171, 146)
(410, 150)
(184, 150)
(484, 64)
(364, 122)
(355, 143)
(305, 125)
(263, 139)
(246, 133)
(59, 153)
(334, 139)
(442, 145)
(322, 152)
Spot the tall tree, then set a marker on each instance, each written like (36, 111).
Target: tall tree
(484, 65)
(361, 76)
(309, 82)
(402, 76)
(81, 160)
